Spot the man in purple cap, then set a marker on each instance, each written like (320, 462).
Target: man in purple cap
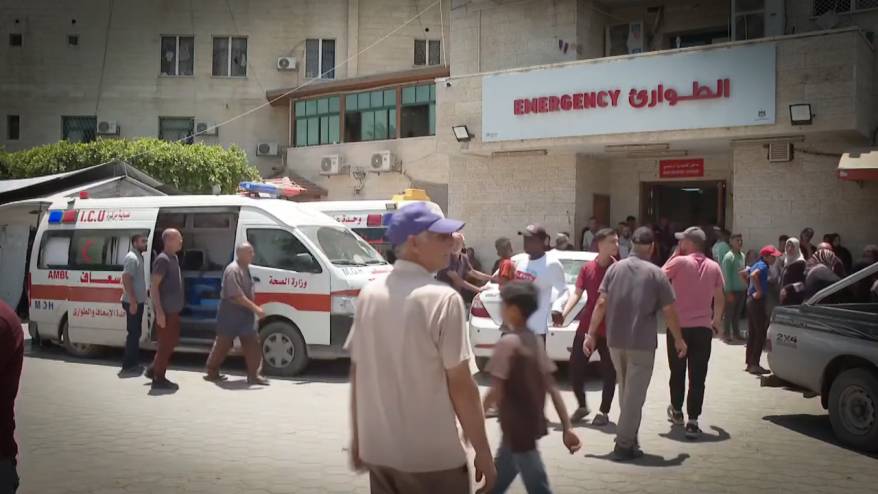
(410, 376)
(547, 273)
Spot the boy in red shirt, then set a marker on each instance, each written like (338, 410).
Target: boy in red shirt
(505, 268)
(589, 280)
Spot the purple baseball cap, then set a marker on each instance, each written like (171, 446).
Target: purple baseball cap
(415, 219)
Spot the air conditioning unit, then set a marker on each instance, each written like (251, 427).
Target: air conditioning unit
(382, 161)
(780, 152)
(206, 128)
(266, 149)
(330, 165)
(624, 39)
(108, 127)
(286, 63)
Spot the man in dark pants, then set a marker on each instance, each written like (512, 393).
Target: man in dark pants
(167, 301)
(700, 304)
(11, 357)
(757, 315)
(133, 298)
(589, 281)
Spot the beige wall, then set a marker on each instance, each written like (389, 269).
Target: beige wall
(783, 198)
(592, 177)
(46, 78)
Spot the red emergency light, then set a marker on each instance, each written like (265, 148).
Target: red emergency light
(69, 216)
(374, 220)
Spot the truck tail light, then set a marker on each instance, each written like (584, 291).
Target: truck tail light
(478, 308)
(374, 220)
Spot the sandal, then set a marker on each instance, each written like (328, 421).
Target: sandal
(217, 378)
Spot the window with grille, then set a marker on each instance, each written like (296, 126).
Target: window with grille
(178, 55)
(229, 56)
(174, 129)
(370, 116)
(317, 121)
(320, 58)
(428, 52)
(418, 111)
(749, 19)
(821, 7)
(79, 129)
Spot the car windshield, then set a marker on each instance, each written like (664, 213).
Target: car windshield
(571, 269)
(342, 247)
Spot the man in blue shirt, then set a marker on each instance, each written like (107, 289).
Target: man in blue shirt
(757, 315)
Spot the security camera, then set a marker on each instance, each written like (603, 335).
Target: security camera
(447, 83)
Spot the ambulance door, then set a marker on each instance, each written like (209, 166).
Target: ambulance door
(290, 279)
(49, 279)
(100, 242)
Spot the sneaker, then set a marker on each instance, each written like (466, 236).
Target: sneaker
(692, 430)
(149, 373)
(600, 420)
(134, 370)
(580, 414)
(757, 370)
(626, 454)
(762, 370)
(164, 384)
(215, 378)
(675, 416)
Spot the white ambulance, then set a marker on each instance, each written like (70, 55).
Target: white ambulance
(369, 218)
(308, 271)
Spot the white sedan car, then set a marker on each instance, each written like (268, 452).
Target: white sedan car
(484, 321)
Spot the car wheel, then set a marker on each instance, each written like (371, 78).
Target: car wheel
(283, 349)
(853, 408)
(80, 350)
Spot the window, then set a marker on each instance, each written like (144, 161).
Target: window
(342, 247)
(176, 129)
(370, 116)
(79, 129)
(279, 249)
(230, 56)
(427, 52)
(95, 250)
(418, 110)
(178, 55)
(13, 130)
(749, 19)
(320, 58)
(317, 121)
(15, 39)
(73, 39)
(821, 7)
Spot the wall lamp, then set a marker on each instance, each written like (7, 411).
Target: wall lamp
(461, 133)
(800, 114)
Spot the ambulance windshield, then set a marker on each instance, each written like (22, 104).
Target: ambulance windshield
(342, 247)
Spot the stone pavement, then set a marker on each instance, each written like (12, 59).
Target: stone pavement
(84, 430)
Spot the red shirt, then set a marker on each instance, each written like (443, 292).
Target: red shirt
(589, 281)
(11, 356)
(506, 271)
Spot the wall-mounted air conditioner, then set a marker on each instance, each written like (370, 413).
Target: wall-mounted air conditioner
(381, 162)
(206, 128)
(286, 63)
(780, 152)
(266, 149)
(108, 127)
(330, 165)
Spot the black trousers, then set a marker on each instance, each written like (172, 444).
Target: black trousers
(757, 328)
(698, 341)
(578, 364)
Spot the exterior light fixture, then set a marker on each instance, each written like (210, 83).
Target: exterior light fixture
(800, 114)
(461, 133)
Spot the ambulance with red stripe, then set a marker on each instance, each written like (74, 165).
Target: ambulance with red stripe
(308, 271)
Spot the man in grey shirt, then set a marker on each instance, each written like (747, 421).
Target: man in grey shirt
(633, 292)
(167, 301)
(133, 298)
(235, 319)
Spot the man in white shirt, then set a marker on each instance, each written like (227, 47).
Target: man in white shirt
(547, 273)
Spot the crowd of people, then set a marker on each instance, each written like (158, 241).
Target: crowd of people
(410, 328)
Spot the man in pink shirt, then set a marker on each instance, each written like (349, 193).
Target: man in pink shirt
(698, 283)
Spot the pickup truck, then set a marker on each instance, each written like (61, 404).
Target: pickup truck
(831, 351)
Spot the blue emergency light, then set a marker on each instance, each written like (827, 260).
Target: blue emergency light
(55, 216)
(387, 218)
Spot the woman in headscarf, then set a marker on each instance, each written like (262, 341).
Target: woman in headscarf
(805, 238)
(841, 251)
(793, 275)
(823, 269)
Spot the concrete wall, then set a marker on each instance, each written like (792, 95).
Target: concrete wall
(592, 177)
(490, 35)
(377, 18)
(499, 197)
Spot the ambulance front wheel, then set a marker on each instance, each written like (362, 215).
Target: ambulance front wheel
(283, 349)
(81, 350)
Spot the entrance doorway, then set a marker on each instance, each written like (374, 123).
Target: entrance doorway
(684, 203)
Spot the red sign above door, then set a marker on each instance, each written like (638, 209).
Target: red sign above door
(682, 168)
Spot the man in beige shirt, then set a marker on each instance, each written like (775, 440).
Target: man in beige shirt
(410, 375)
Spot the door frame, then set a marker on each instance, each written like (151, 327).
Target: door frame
(721, 203)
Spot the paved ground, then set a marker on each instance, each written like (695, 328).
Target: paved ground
(82, 429)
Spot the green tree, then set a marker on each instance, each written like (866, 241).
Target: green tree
(191, 168)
